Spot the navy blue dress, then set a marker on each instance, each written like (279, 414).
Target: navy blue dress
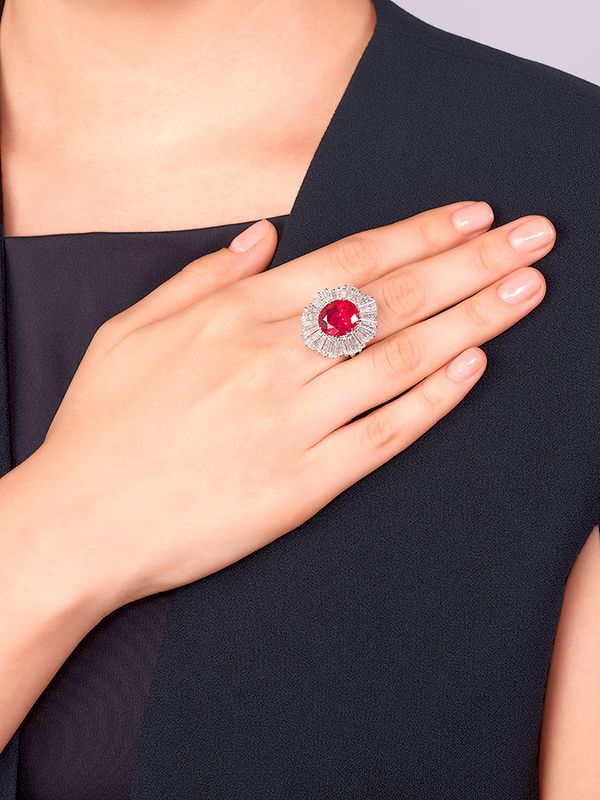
(396, 645)
(78, 741)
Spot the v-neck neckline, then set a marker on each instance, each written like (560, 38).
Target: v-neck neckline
(331, 132)
(329, 204)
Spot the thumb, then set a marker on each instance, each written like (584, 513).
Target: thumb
(248, 254)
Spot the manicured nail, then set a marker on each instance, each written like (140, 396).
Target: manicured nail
(249, 237)
(465, 365)
(532, 235)
(476, 217)
(521, 286)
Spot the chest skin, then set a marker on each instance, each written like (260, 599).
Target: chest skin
(397, 644)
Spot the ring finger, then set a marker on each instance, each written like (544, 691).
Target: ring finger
(417, 291)
(386, 369)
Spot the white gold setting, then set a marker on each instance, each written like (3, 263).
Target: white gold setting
(348, 344)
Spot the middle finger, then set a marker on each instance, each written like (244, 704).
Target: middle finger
(395, 364)
(419, 290)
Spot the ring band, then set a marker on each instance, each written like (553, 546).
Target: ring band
(339, 322)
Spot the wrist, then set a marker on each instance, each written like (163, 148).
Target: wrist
(44, 559)
(47, 604)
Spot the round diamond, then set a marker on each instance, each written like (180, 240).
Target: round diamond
(339, 317)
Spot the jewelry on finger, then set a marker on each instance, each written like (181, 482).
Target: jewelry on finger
(339, 322)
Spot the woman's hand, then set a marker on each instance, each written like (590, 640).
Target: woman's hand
(198, 426)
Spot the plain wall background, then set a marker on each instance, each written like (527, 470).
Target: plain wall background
(562, 34)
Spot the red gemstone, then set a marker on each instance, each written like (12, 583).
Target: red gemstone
(339, 317)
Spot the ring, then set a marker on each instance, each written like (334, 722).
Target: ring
(339, 322)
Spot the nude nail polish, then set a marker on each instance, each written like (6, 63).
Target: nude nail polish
(523, 285)
(532, 235)
(249, 237)
(473, 218)
(464, 366)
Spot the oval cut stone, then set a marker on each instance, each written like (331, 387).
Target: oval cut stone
(339, 317)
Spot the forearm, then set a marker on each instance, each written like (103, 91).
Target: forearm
(44, 607)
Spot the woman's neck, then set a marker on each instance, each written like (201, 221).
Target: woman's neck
(186, 95)
(111, 62)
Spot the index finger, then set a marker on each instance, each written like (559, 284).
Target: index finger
(364, 256)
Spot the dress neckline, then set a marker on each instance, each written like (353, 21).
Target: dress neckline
(140, 234)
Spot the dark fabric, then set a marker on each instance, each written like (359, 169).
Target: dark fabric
(5, 464)
(78, 742)
(397, 644)
(62, 287)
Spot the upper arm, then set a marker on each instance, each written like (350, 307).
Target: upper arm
(569, 765)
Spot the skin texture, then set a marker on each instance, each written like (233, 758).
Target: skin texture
(570, 733)
(195, 379)
(121, 130)
(182, 99)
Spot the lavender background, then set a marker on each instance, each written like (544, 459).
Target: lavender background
(563, 34)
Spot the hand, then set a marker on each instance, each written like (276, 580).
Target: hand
(198, 427)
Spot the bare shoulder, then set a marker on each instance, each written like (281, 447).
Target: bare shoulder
(569, 766)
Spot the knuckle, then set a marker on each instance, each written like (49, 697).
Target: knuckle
(430, 233)
(356, 256)
(476, 314)
(486, 258)
(432, 399)
(195, 267)
(380, 433)
(109, 333)
(225, 309)
(404, 294)
(401, 354)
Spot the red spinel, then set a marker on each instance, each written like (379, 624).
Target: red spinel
(339, 317)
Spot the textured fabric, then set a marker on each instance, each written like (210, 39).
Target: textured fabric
(78, 742)
(62, 287)
(4, 419)
(397, 644)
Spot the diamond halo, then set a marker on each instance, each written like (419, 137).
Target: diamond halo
(358, 330)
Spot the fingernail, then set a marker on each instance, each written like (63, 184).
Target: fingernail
(465, 365)
(532, 235)
(476, 217)
(249, 237)
(521, 286)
